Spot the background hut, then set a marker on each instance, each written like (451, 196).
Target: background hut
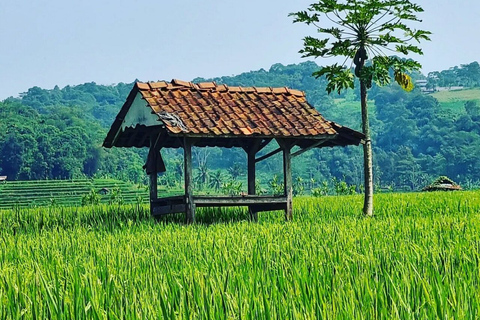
(442, 183)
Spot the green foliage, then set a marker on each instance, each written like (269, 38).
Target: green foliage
(60, 143)
(465, 75)
(275, 186)
(116, 196)
(323, 190)
(342, 188)
(91, 198)
(298, 186)
(418, 259)
(361, 29)
(236, 170)
(232, 187)
(216, 180)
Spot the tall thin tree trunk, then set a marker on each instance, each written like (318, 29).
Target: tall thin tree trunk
(367, 154)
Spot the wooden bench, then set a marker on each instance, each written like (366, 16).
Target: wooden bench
(177, 204)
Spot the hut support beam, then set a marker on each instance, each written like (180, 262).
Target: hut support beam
(153, 186)
(288, 190)
(153, 175)
(252, 150)
(286, 147)
(187, 161)
(315, 145)
(268, 155)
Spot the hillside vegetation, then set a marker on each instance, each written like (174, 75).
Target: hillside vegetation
(58, 133)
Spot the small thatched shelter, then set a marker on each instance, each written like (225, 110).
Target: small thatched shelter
(442, 183)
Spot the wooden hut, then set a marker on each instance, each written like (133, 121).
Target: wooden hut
(182, 114)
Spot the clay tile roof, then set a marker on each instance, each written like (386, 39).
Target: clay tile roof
(210, 110)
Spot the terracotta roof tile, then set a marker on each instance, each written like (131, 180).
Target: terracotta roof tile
(263, 90)
(246, 131)
(206, 85)
(234, 89)
(247, 89)
(297, 93)
(222, 88)
(157, 85)
(143, 86)
(181, 83)
(279, 90)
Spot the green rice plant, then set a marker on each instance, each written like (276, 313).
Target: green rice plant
(418, 258)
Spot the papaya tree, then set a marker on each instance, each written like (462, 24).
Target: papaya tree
(372, 38)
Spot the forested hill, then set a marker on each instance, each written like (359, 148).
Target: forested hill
(57, 133)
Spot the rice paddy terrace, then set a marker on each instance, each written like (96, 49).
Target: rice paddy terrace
(67, 192)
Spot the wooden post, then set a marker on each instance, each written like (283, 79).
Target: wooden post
(153, 186)
(153, 174)
(251, 149)
(287, 180)
(187, 161)
(251, 182)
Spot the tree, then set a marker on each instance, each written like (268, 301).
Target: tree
(361, 31)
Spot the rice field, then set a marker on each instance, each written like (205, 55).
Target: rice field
(454, 100)
(38, 193)
(417, 259)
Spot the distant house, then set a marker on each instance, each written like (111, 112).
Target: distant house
(422, 85)
(3, 178)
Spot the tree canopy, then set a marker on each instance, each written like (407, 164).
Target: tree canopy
(360, 29)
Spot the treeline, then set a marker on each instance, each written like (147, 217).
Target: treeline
(467, 75)
(57, 134)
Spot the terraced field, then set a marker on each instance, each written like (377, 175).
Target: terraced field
(454, 100)
(68, 192)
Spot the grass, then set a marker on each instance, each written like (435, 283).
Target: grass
(454, 100)
(417, 259)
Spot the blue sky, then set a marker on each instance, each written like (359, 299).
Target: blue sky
(52, 42)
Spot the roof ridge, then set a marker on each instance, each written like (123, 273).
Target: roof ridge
(212, 85)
